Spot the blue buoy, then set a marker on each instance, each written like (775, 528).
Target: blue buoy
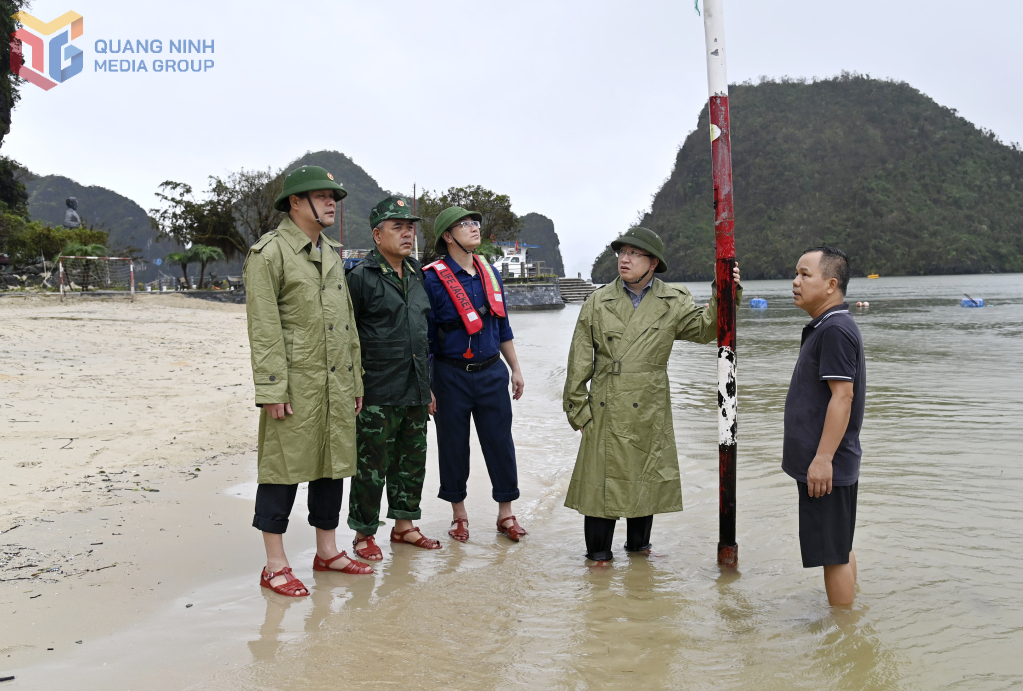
(758, 303)
(979, 302)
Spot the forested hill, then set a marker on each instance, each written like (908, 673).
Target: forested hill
(125, 221)
(905, 186)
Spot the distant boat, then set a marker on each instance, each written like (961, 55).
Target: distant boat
(873, 275)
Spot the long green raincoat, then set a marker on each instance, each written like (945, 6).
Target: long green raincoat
(628, 464)
(305, 351)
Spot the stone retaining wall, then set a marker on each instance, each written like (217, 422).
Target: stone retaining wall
(524, 297)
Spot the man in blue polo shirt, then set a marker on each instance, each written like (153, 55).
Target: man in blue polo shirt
(823, 416)
(469, 332)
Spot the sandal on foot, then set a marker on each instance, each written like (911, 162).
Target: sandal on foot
(423, 541)
(461, 530)
(513, 531)
(371, 551)
(289, 588)
(356, 567)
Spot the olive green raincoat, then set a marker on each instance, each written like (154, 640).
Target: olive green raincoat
(628, 464)
(305, 351)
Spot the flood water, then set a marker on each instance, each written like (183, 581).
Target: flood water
(939, 539)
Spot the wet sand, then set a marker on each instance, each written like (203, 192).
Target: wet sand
(938, 537)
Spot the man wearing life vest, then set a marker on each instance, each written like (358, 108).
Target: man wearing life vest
(468, 332)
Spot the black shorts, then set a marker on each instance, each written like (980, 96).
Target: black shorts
(826, 525)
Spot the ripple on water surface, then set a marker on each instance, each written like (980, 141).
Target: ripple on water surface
(938, 538)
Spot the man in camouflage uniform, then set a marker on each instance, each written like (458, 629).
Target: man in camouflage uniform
(391, 309)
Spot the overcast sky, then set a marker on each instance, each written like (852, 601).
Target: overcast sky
(574, 109)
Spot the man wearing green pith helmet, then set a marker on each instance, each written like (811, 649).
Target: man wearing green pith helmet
(469, 334)
(616, 392)
(307, 371)
(391, 309)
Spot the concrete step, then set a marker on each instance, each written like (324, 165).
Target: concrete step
(575, 289)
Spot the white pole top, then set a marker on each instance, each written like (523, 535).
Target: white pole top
(714, 27)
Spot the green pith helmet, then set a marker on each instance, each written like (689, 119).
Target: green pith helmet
(392, 207)
(644, 239)
(307, 179)
(447, 218)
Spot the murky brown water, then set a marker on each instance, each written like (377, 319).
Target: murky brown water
(939, 540)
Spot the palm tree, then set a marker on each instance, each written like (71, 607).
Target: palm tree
(77, 249)
(205, 254)
(182, 259)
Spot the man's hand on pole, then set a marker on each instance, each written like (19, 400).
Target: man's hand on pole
(735, 278)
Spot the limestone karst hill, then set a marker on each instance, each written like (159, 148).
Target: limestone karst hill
(877, 168)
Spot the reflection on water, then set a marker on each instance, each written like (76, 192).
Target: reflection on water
(939, 540)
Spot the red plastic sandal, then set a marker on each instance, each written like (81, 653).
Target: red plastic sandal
(356, 567)
(371, 551)
(288, 588)
(461, 530)
(513, 531)
(423, 541)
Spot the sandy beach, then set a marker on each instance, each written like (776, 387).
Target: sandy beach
(100, 397)
(112, 412)
(127, 560)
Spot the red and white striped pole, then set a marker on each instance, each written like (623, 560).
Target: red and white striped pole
(724, 235)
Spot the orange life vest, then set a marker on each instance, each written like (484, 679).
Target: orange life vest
(463, 305)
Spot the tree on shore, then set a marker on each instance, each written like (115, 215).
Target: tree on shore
(13, 197)
(254, 193)
(499, 222)
(205, 254)
(182, 259)
(209, 222)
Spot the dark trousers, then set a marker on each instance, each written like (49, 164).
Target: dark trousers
(392, 452)
(483, 396)
(601, 531)
(274, 502)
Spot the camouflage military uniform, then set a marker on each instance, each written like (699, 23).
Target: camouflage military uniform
(392, 448)
(391, 315)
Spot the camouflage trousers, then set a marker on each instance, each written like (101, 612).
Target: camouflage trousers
(392, 450)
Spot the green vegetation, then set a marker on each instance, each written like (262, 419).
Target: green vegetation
(210, 221)
(126, 223)
(237, 209)
(31, 241)
(204, 254)
(499, 223)
(13, 197)
(902, 184)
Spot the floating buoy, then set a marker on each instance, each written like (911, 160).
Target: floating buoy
(758, 303)
(971, 302)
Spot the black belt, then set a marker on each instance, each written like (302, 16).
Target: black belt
(468, 366)
(448, 327)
